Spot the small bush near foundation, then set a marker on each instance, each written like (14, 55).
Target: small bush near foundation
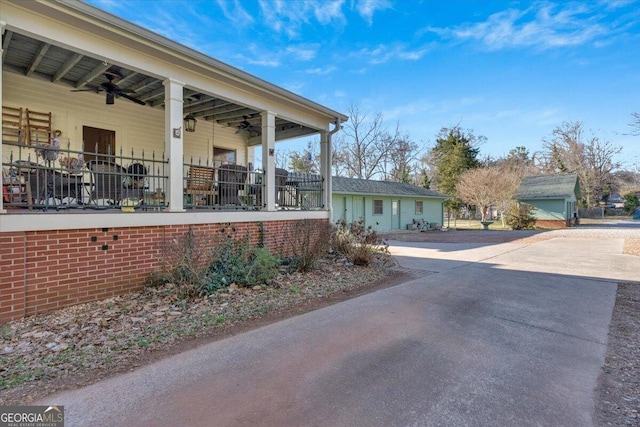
(520, 217)
(358, 243)
(184, 262)
(203, 264)
(237, 261)
(262, 268)
(307, 241)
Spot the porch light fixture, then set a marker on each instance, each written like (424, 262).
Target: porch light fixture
(190, 123)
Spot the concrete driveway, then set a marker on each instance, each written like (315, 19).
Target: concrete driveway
(488, 335)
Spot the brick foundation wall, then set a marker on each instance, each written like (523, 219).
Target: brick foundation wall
(42, 271)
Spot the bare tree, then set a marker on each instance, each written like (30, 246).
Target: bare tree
(568, 150)
(403, 158)
(282, 157)
(305, 161)
(519, 161)
(365, 146)
(505, 188)
(478, 187)
(625, 181)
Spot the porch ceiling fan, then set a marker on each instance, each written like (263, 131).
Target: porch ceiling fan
(112, 90)
(246, 125)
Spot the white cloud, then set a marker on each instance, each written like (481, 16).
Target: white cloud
(289, 16)
(543, 25)
(615, 4)
(281, 17)
(235, 13)
(303, 52)
(384, 53)
(253, 54)
(321, 71)
(295, 87)
(366, 8)
(326, 12)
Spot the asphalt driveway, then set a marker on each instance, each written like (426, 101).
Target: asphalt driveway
(494, 335)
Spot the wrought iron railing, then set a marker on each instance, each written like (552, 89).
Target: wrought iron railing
(46, 177)
(49, 177)
(230, 186)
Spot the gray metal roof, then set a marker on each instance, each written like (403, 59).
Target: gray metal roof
(560, 186)
(386, 188)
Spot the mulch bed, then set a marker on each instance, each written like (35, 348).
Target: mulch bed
(619, 383)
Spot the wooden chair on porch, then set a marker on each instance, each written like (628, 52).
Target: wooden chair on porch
(200, 185)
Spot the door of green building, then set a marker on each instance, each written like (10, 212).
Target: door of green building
(395, 214)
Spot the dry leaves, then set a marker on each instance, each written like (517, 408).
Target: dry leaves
(91, 340)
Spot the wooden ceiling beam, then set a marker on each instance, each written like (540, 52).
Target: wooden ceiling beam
(91, 75)
(37, 58)
(67, 66)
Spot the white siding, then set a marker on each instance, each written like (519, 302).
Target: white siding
(137, 127)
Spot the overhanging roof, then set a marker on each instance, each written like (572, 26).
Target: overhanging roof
(559, 186)
(381, 188)
(44, 60)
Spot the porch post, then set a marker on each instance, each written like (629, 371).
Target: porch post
(325, 171)
(173, 145)
(2, 28)
(268, 159)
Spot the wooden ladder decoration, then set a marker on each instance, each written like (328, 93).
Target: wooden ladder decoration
(38, 127)
(12, 125)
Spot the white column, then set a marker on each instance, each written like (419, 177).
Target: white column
(173, 145)
(2, 28)
(325, 171)
(268, 159)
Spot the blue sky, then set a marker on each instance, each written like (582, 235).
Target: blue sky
(508, 70)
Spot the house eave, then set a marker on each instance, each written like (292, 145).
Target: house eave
(391, 195)
(100, 22)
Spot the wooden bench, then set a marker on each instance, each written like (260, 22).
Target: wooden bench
(201, 185)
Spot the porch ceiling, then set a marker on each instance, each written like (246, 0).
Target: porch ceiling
(45, 61)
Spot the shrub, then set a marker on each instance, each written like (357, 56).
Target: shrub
(203, 264)
(308, 241)
(184, 262)
(228, 264)
(520, 217)
(263, 267)
(358, 243)
(238, 261)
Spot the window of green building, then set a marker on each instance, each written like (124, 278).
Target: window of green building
(377, 207)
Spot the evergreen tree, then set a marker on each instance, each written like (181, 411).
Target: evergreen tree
(455, 151)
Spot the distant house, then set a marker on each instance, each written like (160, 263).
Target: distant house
(553, 197)
(384, 205)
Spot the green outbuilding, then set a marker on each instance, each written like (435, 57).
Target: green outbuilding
(384, 205)
(554, 198)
